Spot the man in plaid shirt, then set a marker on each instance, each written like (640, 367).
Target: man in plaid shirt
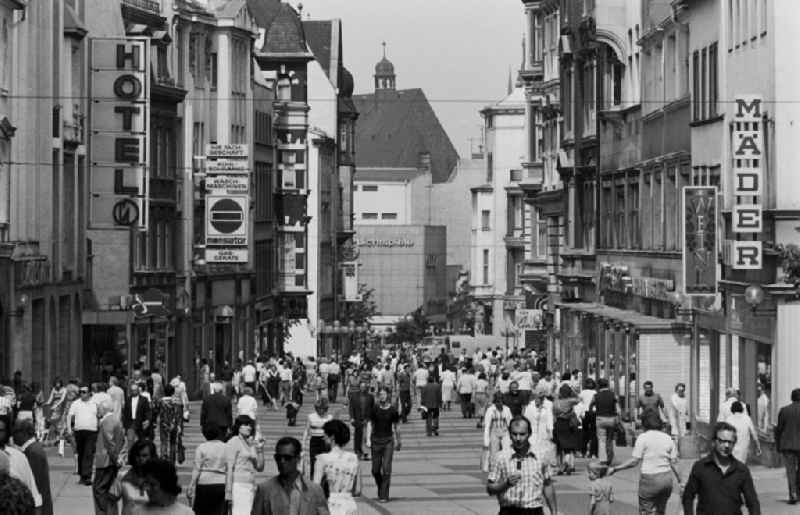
(518, 478)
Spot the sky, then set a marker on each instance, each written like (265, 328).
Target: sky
(458, 52)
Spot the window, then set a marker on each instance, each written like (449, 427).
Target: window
(541, 237)
(620, 241)
(389, 216)
(489, 168)
(263, 179)
(633, 214)
(607, 219)
(485, 278)
(212, 61)
(5, 63)
(179, 44)
(369, 187)
(369, 216)
(567, 102)
(485, 214)
(705, 83)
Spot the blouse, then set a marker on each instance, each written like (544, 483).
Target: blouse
(339, 468)
(134, 496)
(210, 462)
(315, 424)
(241, 457)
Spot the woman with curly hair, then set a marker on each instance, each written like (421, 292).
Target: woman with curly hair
(337, 471)
(244, 456)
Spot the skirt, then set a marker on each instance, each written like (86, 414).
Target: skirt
(210, 499)
(654, 492)
(568, 439)
(243, 495)
(342, 503)
(316, 446)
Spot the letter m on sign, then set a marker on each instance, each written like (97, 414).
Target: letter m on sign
(747, 108)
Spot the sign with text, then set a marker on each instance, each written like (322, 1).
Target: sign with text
(119, 125)
(228, 184)
(227, 203)
(747, 149)
(350, 281)
(700, 240)
(226, 220)
(227, 166)
(214, 150)
(226, 255)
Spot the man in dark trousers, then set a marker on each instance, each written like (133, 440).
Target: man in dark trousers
(216, 411)
(361, 404)
(787, 442)
(431, 403)
(136, 416)
(25, 439)
(404, 392)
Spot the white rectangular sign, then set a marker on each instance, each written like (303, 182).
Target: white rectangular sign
(226, 255)
(227, 185)
(227, 166)
(746, 255)
(226, 150)
(747, 159)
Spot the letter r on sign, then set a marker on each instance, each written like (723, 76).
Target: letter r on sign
(747, 255)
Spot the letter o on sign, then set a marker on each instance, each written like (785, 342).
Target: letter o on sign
(127, 87)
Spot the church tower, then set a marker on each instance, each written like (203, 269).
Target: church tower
(384, 73)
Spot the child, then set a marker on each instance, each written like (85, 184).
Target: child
(601, 496)
(294, 403)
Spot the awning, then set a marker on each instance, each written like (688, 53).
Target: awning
(637, 321)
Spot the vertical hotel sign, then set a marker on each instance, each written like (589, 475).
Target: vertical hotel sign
(700, 240)
(119, 121)
(747, 162)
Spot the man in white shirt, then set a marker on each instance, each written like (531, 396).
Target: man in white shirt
(18, 466)
(247, 404)
(334, 372)
(117, 395)
(82, 422)
(249, 375)
(420, 380)
(285, 372)
(466, 387)
(679, 411)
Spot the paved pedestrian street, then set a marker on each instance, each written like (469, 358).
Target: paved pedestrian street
(431, 475)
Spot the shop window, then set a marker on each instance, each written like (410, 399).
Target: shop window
(763, 386)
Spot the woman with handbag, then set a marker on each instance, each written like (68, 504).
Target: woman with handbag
(170, 423)
(567, 430)
(206, 492)
(244, 456)
(338, 471)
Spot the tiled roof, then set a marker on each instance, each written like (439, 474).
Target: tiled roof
(283, 29)
(394, 127)
(318, 37)
(230, 8)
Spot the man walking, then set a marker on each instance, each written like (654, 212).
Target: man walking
(420, 380)
(82, 417)
(216, 411)
(787, 442)
(25, 440)
(333, 380)
(431, 403)
(289, 492)
(650, 401)
(521, 483)
(117, 395)
(404, 392)
(136, 416)
(110, 442)
(719, 481)
(383, 438)
(360, 405)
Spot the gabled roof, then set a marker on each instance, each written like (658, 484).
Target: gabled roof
(319, 39)
(264, 11)
(394, 127)
(283, 30)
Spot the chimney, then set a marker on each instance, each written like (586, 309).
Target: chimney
(424, 161)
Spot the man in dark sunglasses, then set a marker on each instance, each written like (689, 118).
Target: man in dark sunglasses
(289, 492)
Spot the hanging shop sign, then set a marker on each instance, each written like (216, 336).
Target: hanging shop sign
(528, 319)
(700, 240)
(235, 150)
(350, 281)
(226, 220)
(226, 255)
(388, 243)
(747, 161)
(119, 122)
(227, 203)
(227, 166)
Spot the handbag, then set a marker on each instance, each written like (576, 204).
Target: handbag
(115, 490)
(181, 454)
(484, 460)
(622, 438)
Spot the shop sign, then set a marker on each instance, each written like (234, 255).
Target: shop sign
(700, 240)
(350, 281)
(528, 319)
(747, 158)
(226, 220)
(227, 166)
(386, 243)
(615, 278)
(228, 184)
(653, 288)
(226, 255)
(215, 150)
(119, 123)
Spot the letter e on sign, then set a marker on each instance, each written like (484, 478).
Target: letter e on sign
(747, 218)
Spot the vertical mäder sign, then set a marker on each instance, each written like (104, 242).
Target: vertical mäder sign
(700, 240)
(747, 161)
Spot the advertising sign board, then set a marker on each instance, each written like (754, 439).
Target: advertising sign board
(700, 240)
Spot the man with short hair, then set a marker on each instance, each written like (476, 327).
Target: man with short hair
(719, 481)
(289, 492)
(431, 403)
(117, 395)
(514, 400)
(136, 416)
(404, 392)
(520, 481)
(650, 401)
(216, 411)
(25, 440)
(787, 442)
(82, 423)
(731, 396)
(110, 442)
(679, 411)
(333, 380)
(420, 380)
(360, 406)
(249, 375)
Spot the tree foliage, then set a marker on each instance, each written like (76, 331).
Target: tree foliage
(412, 328)
(360, 311)
(461, 312)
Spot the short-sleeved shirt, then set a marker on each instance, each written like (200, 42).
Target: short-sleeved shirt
(382, 420)
(650, 403)
(656, 450)
(528, 493)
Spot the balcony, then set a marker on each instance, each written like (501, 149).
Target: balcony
(533, 177)
(291, 209)
(73, 126)
(516, 239)
(532, 73)
(144, 5)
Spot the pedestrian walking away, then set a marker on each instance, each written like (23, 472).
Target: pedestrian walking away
(787, 442)
(718, 481)
(25, 440)
(339, 470)
(431, 404)
(206, 491)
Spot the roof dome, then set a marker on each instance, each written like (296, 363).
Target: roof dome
(346, 83)
(384, 67)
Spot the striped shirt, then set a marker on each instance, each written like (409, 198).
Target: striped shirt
(529, 491)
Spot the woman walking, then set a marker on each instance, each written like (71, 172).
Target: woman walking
(206, 492)
(55, 419)
(567, 428)
(481, 397)
(133, 493)
(745, 430)
(170, 423)
(161, 482)
(273, 385)
(314, 431)
(495, 428)
(656, 453)
(244, 457)
(448, 383)
(337, 471)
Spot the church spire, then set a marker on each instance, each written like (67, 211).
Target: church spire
(384, 73)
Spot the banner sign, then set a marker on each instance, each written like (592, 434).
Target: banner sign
(119, 123)
(229, 166)
(747, 157)
(700, 240)
(214, 150)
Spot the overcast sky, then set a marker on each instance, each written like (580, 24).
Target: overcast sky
(458, 52)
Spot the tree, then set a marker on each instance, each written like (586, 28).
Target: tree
(360, 311)
(411, 328)
(461, 312)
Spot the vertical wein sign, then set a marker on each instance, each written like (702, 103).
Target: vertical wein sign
(700, 240)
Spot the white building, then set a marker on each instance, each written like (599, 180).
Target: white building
(499, 222)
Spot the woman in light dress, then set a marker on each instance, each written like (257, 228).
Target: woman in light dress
(314, 435)
(55, 420)
(480, 397)
(745, 432)
(448, 383)
(244, 456)
(339, 470)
